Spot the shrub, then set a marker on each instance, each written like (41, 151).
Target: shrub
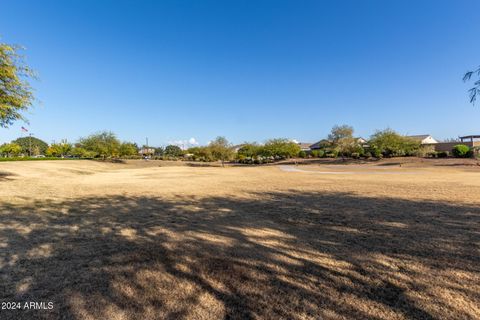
(425, 151)
(315, 153)
(375, 152)
(332, 154)
(321, 153)
(355, 155)
(442, 154)
(302, 154)
(461, 151)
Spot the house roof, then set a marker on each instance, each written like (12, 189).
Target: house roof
(472, 136)
(318, 143)
(304, 145)
(419, 137)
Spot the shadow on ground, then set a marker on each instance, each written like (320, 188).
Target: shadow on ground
(274, 255)
(5, 175)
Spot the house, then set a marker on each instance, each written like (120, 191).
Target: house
(146, 151)
(325, 143)
(424, 139)
(320, 144)
(361, 141)
(238, 147)
(304, 146)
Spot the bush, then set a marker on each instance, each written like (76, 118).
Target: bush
(302, 154)
(332, 154)
(461, 151)
(355, 155)
(321, 153)
(425, 151)
(375, 152)
(443, 154)
(315, 153)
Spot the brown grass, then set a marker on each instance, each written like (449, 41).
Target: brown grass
(137, 241)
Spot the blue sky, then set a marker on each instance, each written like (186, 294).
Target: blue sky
(247, 70)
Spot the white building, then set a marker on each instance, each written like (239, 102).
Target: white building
(424, 139)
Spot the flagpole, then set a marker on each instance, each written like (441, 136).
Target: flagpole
(30, 144)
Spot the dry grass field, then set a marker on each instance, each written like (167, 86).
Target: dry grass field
(320, 241)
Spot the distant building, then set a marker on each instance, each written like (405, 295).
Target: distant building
(320, 144)
(361, 141)
(146, 151)
(325, 143)
(473, 140)
(237, 147)
(424, 139)
(304, 146)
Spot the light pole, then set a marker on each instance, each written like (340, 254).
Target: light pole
(30, 144)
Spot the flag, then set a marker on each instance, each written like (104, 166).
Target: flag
(24, 129)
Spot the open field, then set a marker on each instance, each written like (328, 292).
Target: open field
(140, 241)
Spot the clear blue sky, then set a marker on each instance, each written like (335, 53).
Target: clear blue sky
(248, 70)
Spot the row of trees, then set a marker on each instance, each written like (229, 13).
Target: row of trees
(383, 143)
(340, 142)
(99, 145)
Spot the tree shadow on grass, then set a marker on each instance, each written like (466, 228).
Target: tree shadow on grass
(276, 255)
(4, 175)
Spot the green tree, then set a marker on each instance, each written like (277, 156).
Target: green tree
(103, 144)
(280, 148)
(173, 151)
(59, 149)
(343, 141)
(221, 149)
(389, 143)
(80, 152)
(159, 151)
(249, 150)
(128, 149)
(16, 94)
(475, 90)
(31, 142)
(201, 153)
(10, 149)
